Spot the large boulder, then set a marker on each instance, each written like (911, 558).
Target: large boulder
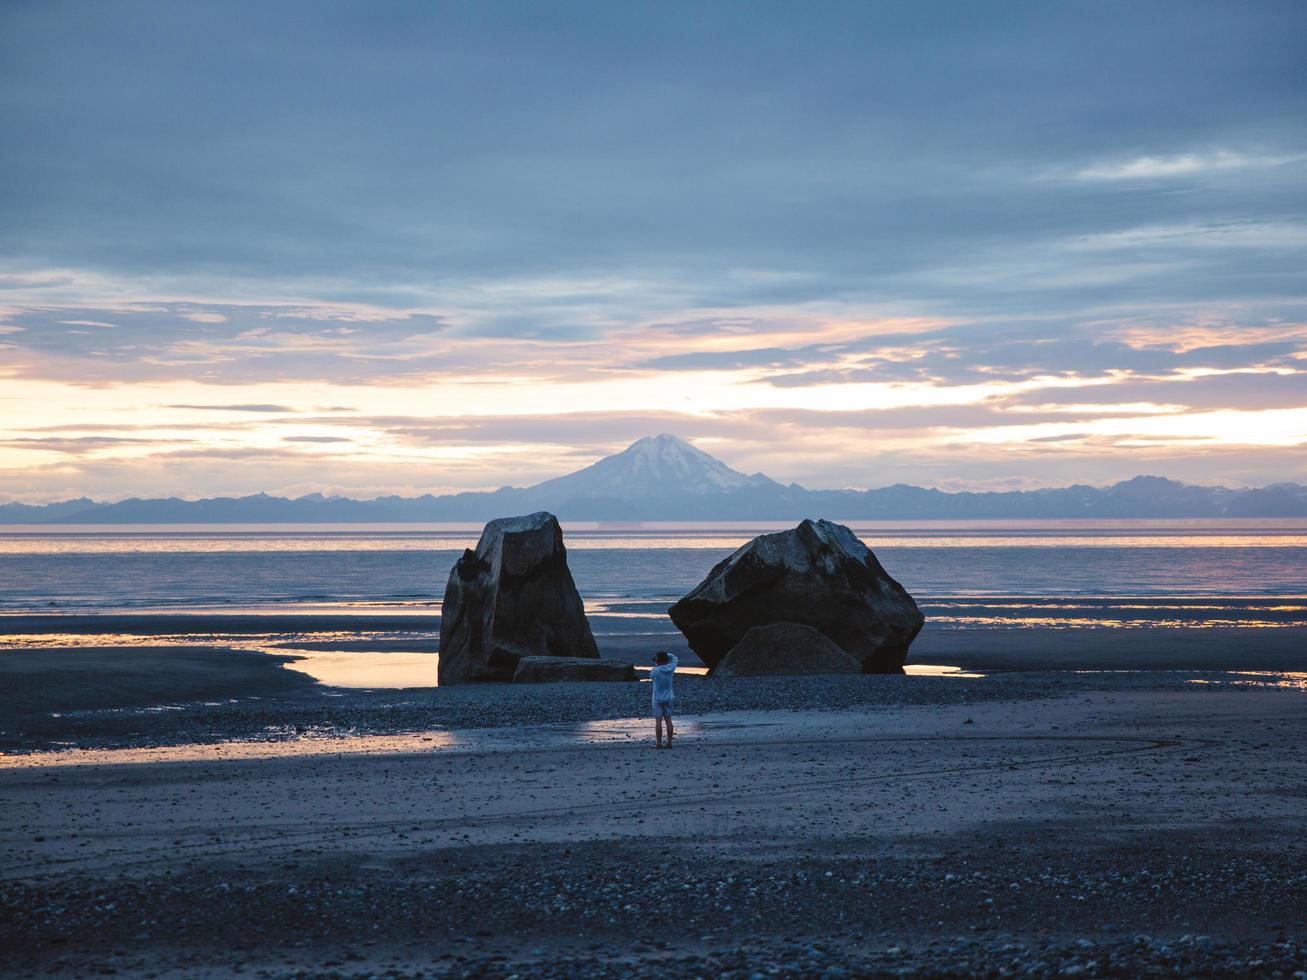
(511, 598)
(547, 670)
(785, 648)
(817, 575)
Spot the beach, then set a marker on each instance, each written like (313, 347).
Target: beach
(226, 754)
(149, 690)
(1034, 823)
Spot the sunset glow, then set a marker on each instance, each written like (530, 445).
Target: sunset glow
(871, 299)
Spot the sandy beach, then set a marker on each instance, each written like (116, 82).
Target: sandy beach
(1059, 787)
(1032, 823)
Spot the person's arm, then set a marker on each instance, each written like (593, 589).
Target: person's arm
(672, 661)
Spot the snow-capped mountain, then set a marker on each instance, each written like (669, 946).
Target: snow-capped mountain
(664, 478)
(655, 466)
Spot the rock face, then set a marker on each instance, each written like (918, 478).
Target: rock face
(511, 598)
(785, 648)
(817, 575)
(546, 670)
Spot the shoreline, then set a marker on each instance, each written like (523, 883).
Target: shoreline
(1022, 821)
(1005, 642)
(144, 679)
(303, 709)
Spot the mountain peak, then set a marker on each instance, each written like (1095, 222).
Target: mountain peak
(663, 442)
(655, 466)
(1144, 480)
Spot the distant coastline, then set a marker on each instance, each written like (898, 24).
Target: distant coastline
(664, 478)
(1142, 497)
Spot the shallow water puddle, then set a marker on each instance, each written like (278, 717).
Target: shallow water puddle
(337, 668)
(1289, 680)
(361, 669)
(313, 744)
(355, 669)
(938, 670)
(680, 669)
(286, 744)
(300, 746)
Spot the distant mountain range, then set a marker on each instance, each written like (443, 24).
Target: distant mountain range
(666, 478)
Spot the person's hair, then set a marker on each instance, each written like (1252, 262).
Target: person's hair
(660, 657)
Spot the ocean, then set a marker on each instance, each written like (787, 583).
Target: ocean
(404, 568)
(386, 581)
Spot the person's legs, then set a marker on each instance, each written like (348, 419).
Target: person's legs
(668, 715)
(658, 728)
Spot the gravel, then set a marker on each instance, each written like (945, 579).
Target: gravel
(1080, 898)
(1169, 905)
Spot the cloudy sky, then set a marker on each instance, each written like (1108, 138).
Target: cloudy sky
(405, 247)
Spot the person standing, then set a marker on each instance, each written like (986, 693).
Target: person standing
(661, 674)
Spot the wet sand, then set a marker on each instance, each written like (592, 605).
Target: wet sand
(1138, 648)
(136, 694)
(34, 683)
(1083, 824)
(211, 812)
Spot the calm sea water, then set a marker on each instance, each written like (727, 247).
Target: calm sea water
(1088, 575)
(108, 569)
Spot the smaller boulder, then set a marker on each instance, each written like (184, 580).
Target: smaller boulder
(785, 648)
(511, 598)
(547, 670)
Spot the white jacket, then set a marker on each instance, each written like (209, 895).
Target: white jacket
(662, 680)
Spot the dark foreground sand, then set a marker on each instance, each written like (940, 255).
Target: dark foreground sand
(1027, 824)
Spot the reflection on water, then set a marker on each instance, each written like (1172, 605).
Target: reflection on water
(390, 667)
(615, 609)
(55, 539)
(366, 670)
(623, 730)
(412, 670)
(388, 570)
(616, 618)
(680, 669)
(279, 743)
(1246, 602)
(285, 742)
(260, 642)
(937, 670)
(360, 605)
(1288, 680)
(1086, 622)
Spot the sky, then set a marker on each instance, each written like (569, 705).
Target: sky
(375, 247)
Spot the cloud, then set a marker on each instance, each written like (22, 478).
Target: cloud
(236, 408)
(503, 246)
(984, 354)
(1183, 165)
(1187, 336)
(1229, 235)
(81, 445)
(1243, 390)
(769, 357)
